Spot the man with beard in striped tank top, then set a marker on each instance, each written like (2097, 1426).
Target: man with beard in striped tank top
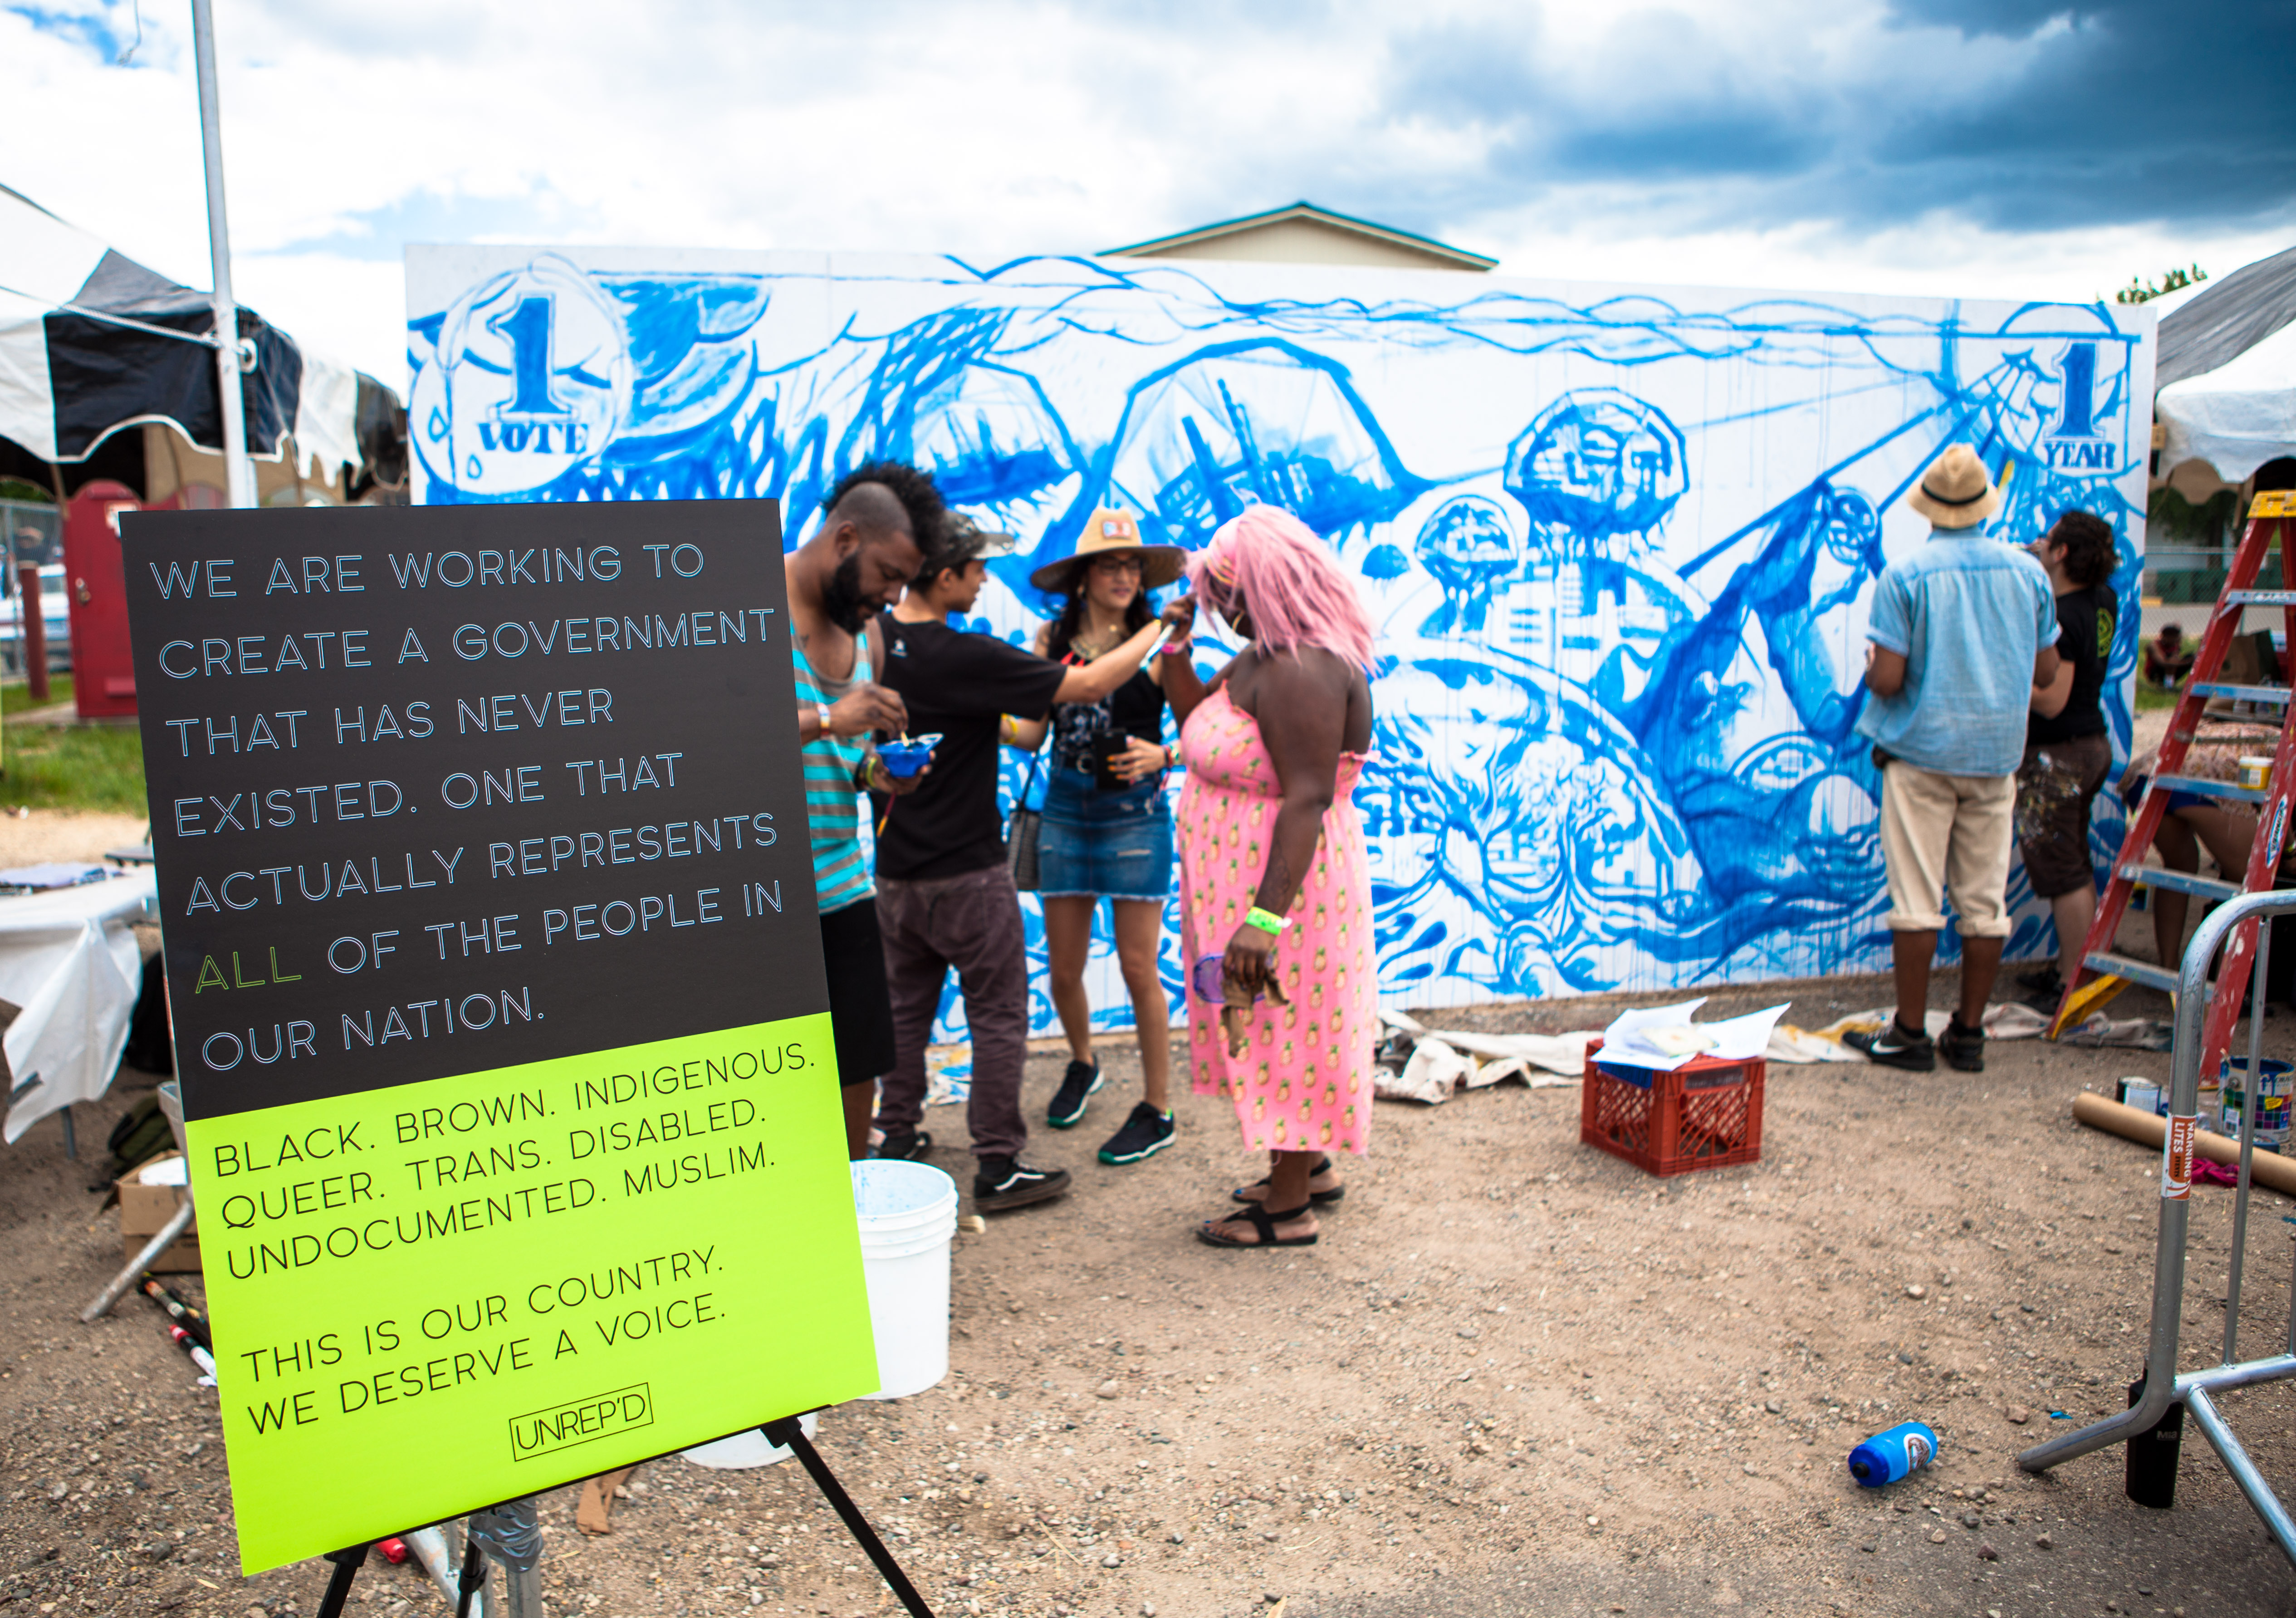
(881, 519)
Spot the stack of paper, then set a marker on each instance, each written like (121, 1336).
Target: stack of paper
(1663, 1038)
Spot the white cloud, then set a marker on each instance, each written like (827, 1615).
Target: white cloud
(987, 129)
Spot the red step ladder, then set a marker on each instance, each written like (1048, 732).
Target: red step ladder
(2271, 520)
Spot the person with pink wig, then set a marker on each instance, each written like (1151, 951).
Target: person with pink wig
(1275, 883)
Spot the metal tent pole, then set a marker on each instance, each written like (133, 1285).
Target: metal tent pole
(239, 472)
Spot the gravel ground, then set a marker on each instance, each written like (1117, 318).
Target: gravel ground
(33, 836)
(1516, 1376)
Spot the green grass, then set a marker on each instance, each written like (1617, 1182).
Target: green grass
(95, 767)
(2150, 698)
(17, 696)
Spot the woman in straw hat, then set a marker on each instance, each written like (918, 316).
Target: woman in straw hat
(1107, 826)
(1275, 879)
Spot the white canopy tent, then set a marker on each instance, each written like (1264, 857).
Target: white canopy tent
(2226, 376)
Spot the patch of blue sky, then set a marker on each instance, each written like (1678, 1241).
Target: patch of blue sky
(382, 233)
(104, 31)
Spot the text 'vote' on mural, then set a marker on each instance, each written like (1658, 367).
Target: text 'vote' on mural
(498, 994)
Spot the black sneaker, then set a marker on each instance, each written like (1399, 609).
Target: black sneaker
(1895, 1047)
(2045, 1001)
(1007, 1182)
(910, 1145)
(2044, 980)
(1143, 1135)
(1080, 1082)
(1964, 1048)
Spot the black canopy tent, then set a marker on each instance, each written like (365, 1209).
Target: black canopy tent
(91, 342)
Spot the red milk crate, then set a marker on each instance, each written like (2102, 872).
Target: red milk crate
(1704, 1114)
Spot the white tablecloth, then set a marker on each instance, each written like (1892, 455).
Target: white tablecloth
(69, 960)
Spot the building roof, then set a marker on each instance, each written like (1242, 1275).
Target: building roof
(1205, 241)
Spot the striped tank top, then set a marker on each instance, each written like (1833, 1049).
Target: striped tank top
(841, 875)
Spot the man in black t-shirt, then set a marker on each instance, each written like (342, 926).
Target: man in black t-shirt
(945, 897)
(2067, 753)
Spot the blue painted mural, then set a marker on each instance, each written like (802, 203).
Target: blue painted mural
(1620, 543)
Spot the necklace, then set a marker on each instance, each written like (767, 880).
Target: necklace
(1091, 646)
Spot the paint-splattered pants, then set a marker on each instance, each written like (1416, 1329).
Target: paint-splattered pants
(2055, 786)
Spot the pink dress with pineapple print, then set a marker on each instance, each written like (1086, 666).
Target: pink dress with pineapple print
(1304, 1083)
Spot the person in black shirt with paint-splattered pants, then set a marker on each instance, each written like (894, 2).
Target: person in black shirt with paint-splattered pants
(2067, 752)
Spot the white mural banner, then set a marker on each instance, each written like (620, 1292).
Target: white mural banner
(1618, 540)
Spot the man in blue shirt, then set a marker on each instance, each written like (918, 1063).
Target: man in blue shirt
(1961, 632)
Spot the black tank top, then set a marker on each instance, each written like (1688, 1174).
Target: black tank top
(1134, 709)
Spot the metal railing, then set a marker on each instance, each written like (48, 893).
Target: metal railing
(2157, 1411)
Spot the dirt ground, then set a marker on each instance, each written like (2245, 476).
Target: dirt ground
(1516, 1376)
(34, 836)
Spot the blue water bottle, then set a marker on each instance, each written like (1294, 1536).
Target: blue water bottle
(1887, 1457)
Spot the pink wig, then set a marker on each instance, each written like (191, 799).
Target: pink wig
(1295, 594)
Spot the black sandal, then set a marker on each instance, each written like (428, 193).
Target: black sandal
(1319, 1198)
(1262, 1222)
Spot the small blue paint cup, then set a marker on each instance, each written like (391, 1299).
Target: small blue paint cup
(903, 760)
(1887, 1457)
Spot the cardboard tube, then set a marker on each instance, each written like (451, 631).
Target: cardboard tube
(2266, 1169)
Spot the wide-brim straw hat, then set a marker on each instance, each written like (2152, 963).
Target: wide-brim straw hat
(1111, 533)
(1955, 491)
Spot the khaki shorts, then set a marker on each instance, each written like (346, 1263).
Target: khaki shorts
(1948, 832)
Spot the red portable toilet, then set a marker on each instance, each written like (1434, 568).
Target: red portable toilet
(95, 588)
(95, 591)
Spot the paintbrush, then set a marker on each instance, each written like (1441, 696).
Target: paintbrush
(182, 1313)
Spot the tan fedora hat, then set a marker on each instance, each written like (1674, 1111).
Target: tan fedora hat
(1113, 533)
(1955, 492)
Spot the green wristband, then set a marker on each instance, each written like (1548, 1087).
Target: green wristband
(1266, 921)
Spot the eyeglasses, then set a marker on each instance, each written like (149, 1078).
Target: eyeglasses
(1117, 564)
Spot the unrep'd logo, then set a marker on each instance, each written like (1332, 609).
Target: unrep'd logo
(531, 378)
(580, 1421)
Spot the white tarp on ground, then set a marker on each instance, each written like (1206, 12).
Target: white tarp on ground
(70, 961)
(2237, 416)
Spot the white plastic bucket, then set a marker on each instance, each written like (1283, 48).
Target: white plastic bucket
(743, 1450)
(907, 1213)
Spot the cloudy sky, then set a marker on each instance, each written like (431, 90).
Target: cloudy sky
(2009, 148)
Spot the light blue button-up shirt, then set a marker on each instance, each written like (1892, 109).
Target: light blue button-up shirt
(1970, 615)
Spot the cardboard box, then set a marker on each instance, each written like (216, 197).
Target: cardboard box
(145, 1211)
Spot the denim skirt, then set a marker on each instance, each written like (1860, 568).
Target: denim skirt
(1107, 844)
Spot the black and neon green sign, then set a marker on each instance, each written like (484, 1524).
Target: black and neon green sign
(498, 997)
